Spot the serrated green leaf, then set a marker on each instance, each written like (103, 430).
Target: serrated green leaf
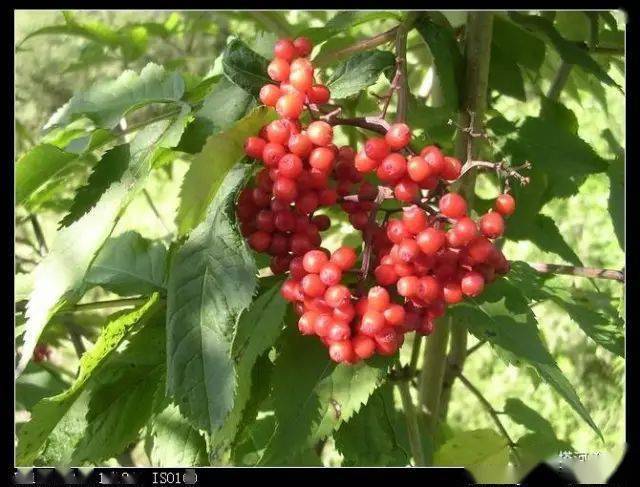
(50, 411)
(517, 43)
(38, 166)
(604, 328)
(368, 438)
(574, 26)
(534, 448)
(447, 57)
(342, 22)
(502, 317)
(527, 417)
(173, 442)
(210, 166)
(107, 102)
(59, 277)
(258, 328)
(36, 383)
(109, 169)
(359, 72)
(483, 452)
(129, 264)
(505, 75)
(313, 397)
(212, 280)
(558, 114)
(244, 67)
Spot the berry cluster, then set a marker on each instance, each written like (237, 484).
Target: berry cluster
(433, 256)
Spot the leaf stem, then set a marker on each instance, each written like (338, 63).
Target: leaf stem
(589, 272)
(155, 211)
(559, 81)
(359, 46)
(37, 230)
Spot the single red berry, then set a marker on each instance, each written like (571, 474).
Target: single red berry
(339, 330)
(285, 49)
(318, 94)
(300, 244)
(430, 240)
(272, 153)
(406, 191)
(260, 241)
(505, 204)
(451, 168)
(322, 222)
(323, 324)
(254, 147)
(279, 245)
(307, 321)
(433, 156)
(327, 196)
(480, 250)
(301, 63)
(388, 341)
(392, 168)
(394, 314)
(284, 220)
(492, 225)
(313, 286)
(314, 260)
(337, 295)
(345, 313)
(307, 203)
(321, 158)
(320, 133)
(341, 352)
(301, 79)
(364, 163)
(398, 136)
(290, 105)
(385, 275)
(344, 258)
(472, 284)
(300, 144)
(378, 298)
(363, 346)
(372, 322)
(290, 166)
(285, 189)
(452, 292)
(278, 132)
(270, 94)
(429, 289)
(261, 198)
(296, 268)
(291, 290)
(397, 231)
(452, 205)
(418, 169)
(376, 148)
(408, 250)
(407, 286)
(278, 69)
(466, 230)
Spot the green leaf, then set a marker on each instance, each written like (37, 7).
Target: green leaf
(209, 167)
(109, 170)
(59, 277)
(571, 52)
(616, 198)
(534, 448)
(505, 75)
(342, 22)
(517, 44)
(244, 67)
(606, 329)
(129, 264)
(447, 57)
(38, 166)
(212, 280)
(313, 397)
(36, 383)
(358, 72)
(483, 452)
(258, 329)
(559, 114)
(368, 438)
(527, 417)
(173, 442)
(502, 316)
(50, 411)
(107, 102)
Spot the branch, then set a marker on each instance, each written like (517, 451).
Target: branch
(589, 272)
(402, 81)
(362, 45)
(487, 405)
(413, 427)
(500, 167)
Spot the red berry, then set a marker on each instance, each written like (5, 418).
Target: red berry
(359, 220)
(388, 341)
(320, 133)
(303, 46)
(290, 166)
(434, 158)
(269, 95)
(344, 258)
(254, 147)
(321, 158)
(296, 268)
(264, 221)
(364, 163)
(398, 136)
(323, 324)
(505, 204)
(385, 275)
(313, 286)
(372, 322)
(307, 202)
(301, 79)
(492, 225)
(337, 295)
(418, 169)
(327, 197)
(397, 231)
(377, 148)
(322, 222)
(272, 153)
(364, 346)
(408, 250)
(378, 298)
(314, 260)
(318, 94)
(279, 245)
(278, 132)
(480, 250)
(301, 63)
(466, 230)
(339, 330)
(431, 240)
(392, 167)
(452, 205)
(407, 286)
(284, 220)
(452, 292)
(300, 144)
(285, 49)
(472, 284)
(341, 352)
(285, 189)
(451, 168)
(290, 105)
(345, 313)
(429, 289)
(260, 241)
(278, 69)
(291, 290)
(307, 321)
(300, 244)
(406, 191)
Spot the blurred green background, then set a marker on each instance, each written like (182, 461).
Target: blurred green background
(49, 69)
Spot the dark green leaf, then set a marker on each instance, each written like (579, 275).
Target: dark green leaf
(358, 72)
(616, 198)
(244, 67)
(505, 75)
(527, 417)
(342, 22)
(447, 57)
(517, 44)
(558, 114)
(129, 264)
(212, 280)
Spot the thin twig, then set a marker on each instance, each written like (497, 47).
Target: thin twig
(589, 272)
(500, 167)
(362, 45)
(154, 209)
(37, 230)
(475, 347)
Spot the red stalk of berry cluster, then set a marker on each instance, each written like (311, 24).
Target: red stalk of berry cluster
(422, 262)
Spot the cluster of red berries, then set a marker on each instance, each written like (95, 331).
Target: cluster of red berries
(431, 257)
